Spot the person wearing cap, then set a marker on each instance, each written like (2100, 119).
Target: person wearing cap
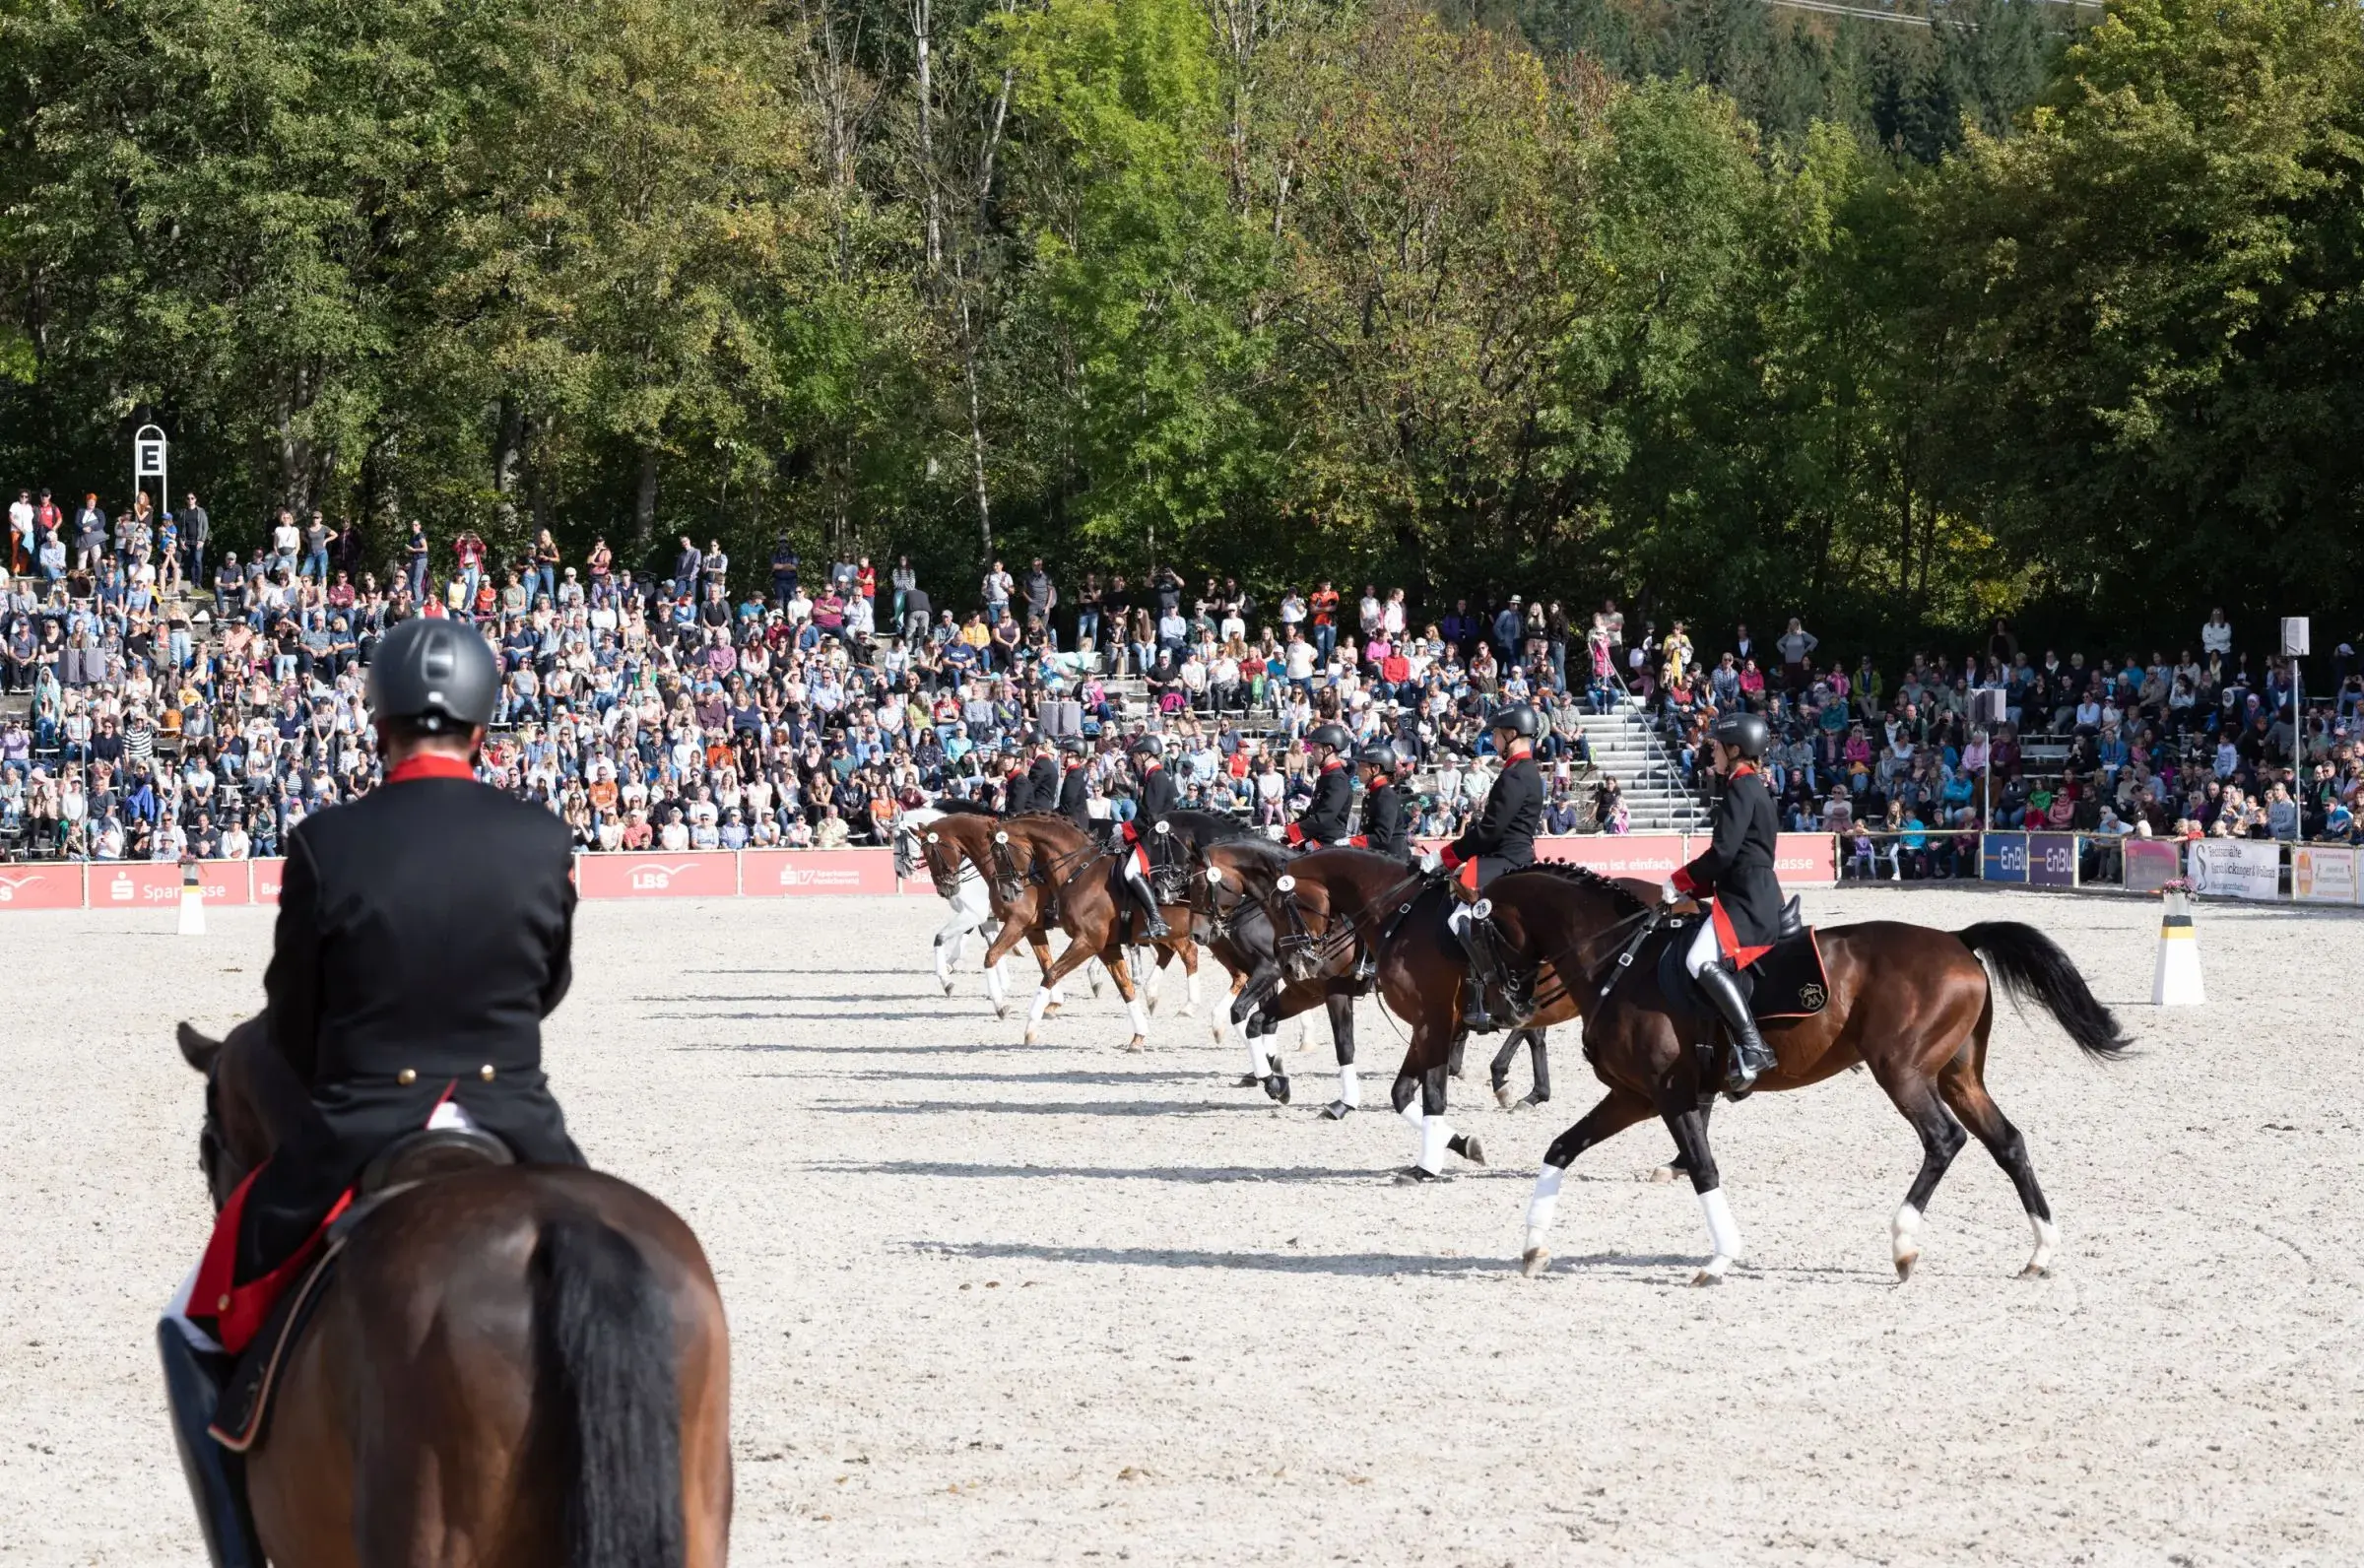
(1737, 871)
(423, 933)
(1384, 810)
(1501, 839)
(1323, 821)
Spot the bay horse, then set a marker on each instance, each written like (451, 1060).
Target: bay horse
(1912, 1004)
(1036, 860)
(944, 846)
(518, 1364)
(1228, 891)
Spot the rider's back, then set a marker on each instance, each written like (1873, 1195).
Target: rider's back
(424, 927)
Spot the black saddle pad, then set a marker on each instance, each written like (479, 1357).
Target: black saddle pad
(1786, 983)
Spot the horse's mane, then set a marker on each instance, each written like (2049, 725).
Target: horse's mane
(1259, 849)
(1047, 819)
(1584, 877)
(958, 806)
(1210, 826)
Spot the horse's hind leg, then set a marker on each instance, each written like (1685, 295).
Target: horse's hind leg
(1498, 1071)
(1941, 1137)
(1966, 1094)
(1540, 1061)
(1678, 1165)
(1121, 972)
(1618, 1109)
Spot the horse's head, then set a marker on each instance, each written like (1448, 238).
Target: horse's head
(251, 1096)
(943, 846)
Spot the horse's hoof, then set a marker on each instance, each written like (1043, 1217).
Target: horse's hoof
(1337, 1111)
(1218, 1032)
(1534, 1262)
(1249, 1080)
(1659, 1177)
(947, 987)
(1714, 1272)
(1417, 1175)
(1472, 1151)
(1053, 1010)
(1000, 1009)
(1190, 1009)
(1904, 1264)
(1137, 1043)
(1276, 1087)
(2035, 1271)
(1530, 1100)
(1502, 1097)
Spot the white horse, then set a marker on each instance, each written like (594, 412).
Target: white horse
(969, 910)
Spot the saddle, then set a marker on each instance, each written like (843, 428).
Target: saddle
(244, 1412)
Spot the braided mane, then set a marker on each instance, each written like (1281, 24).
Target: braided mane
(1585, 876)
(960, 805)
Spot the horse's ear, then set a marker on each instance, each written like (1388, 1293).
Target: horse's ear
(198, 1050)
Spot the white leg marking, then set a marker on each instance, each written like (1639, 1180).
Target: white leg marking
(1904, 1231)
(1435, 1133)
(1140, 1016)
(1350, 1086)
(1258, 1067)
(1542, 1205)
(2048, 1236)
(1722, 1234)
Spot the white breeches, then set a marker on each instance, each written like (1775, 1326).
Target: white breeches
(1704, 950)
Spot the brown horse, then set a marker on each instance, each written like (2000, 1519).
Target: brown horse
(1037, 860)
(1912, 1003)
(945, 846)
(520, 1365)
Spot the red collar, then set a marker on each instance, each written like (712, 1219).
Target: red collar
(1744, 770)
(1520, 750)
(1332, 765)
(430, 764)
(1151, 768)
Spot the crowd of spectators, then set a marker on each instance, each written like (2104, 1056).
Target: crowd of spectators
(180, 705)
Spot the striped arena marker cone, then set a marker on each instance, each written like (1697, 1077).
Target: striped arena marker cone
(192, 900)
(2175, 983)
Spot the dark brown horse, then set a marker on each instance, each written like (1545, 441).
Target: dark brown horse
(1039, 861)
(520, 1365)
(1912, 1003)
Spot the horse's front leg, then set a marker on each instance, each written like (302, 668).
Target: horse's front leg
(1046, 995)
(1004, 943)
(1340, 1003)
(1421, 1100)
(1231, 1011)
(1680, 1112)
(1041, 944)
(1618, 1109)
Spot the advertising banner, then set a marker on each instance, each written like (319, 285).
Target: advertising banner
(1801, 859)
(692, 874)
(1652, 857)
(2322, 873)
(155, 884)
(791, 873)
(266, 880)
(2150, 865)
(2052, 860)
(2002, 858)
(2236, 868)
(33, 886)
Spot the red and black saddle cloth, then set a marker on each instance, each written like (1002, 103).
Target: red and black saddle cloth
(1788, 983)
(285, 1299)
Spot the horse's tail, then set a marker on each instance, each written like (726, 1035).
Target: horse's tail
(607, 1350)
(2032, 967)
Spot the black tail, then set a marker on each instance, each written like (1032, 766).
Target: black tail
(607, 1350)
(2032, 967)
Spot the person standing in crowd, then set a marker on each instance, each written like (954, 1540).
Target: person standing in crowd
(997, 587)
(21, 542)
(1796, 644)
(415, 555)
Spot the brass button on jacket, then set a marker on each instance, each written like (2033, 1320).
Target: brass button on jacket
(407, 1076)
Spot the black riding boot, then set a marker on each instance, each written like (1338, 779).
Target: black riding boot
(217, 1476)
(1481, 953)
(1749, 1055)
(1156, 927)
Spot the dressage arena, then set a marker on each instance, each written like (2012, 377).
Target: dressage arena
(1062, 1303)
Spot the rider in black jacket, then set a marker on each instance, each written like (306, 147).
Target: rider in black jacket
(1075, 782)
(423, 933)
(1737, 870)
(1042, 777)
(1153, 796)
(1323, 821)
(1501, 839)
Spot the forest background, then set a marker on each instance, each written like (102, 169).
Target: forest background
(1746, 312)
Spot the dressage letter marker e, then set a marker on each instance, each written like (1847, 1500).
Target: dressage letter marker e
(2175, 983)
(192, 899)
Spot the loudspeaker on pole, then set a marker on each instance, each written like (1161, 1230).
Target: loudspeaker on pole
(2175, 981)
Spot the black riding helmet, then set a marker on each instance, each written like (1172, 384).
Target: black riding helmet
(1745, 733)
(1519, 719)
(1332, 736)
(1148, 744)
(434, 673)
(1378, 755)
